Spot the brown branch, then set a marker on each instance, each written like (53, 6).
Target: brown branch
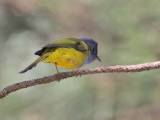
(60, 76)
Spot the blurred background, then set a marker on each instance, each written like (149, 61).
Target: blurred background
(127, 31)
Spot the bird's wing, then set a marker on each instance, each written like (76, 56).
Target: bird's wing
(69, 43)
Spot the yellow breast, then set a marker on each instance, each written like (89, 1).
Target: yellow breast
(63, 56)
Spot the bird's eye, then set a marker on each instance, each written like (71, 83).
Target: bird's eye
(93, 51)
(78, 43)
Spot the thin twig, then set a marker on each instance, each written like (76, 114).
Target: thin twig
(62, 75)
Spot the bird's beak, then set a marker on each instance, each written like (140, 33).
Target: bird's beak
(98, 58)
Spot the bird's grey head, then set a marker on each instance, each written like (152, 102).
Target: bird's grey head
(93, 46)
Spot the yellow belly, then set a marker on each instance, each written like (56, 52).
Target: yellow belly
(63, 57)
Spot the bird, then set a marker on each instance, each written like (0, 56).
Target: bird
(69, 53)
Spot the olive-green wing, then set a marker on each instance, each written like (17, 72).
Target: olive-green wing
(63, 43)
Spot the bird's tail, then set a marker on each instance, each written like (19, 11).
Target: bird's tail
(33, 64)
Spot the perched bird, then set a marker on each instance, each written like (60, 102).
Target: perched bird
(70, 53)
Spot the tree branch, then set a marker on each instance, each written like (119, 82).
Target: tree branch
(63, 75)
